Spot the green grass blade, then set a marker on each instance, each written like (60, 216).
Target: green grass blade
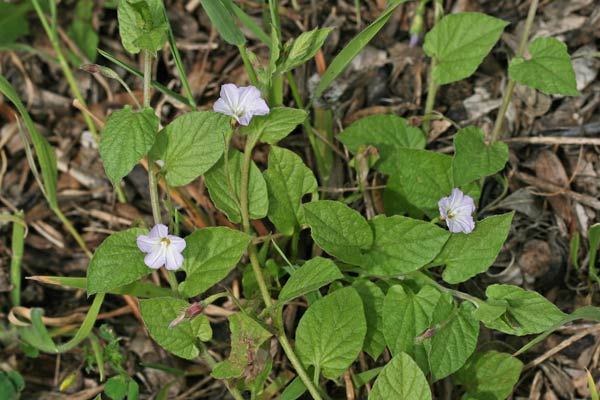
(45, 154)
(248, 22)
(161, 88)
(178, 62)
(341, 61)
(18, 242)
(223, 21)
(594, 237)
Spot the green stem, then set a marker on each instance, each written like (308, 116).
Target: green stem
(433, 87)
(456, 293)
(18, 241)
(264, 290)
(72, 231)
(249, 67)
(510, 88)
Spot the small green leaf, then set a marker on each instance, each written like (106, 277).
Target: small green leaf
(180, 340)
(117, 262)
(459, 42)
(402, 245)
(116, 387)
(11, 383)
(304, 47)
(288, 179)
(490, 310)
(315, 273)
(372, 297)
(387, 133)
(338, 229)
(142, 25)
(454, 342)
(210, 254)
(246, 337)
(549, 69)
(527, 312)
(331, 332)
(473, 158)
(274, 126)
(594, 239)
(406, 316)
(221, 18)
(466, 255)
(225, 188)
(81, 29)
(401, 378)
(13, 21)
(490, 376)
(126, 139)
(191, 145)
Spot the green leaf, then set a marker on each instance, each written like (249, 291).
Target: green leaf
(303, 48)
(117, 262)
(423, 177)
(387, 133)
(490, 310)
(401, 378)
(142, 25)
(246, 337)
(274, 126)
(81, 29)
(314, 274)
(191, 145)
(473, 158)
(116, 387)
(453, 343)
(223, 21)
(527, 312)
(338, 229)
(210, 254)
(225, 188)
(406, 316)
(549, 69)
(489, 376)
(43, 150)
(351, 50)
(459, 42)
(13, 21)
(372, 297)
(126, 139)
(331, 332)
(466, 255)
(288, 179)
(401, 245)
(11, 383)
(180, 340)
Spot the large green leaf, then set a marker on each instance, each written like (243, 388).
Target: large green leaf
(303, 48)
(288, 179)
(402, 245)
(126, 139)
(401, 378)
(459, 42)
(466, 255)
(221, 18)
(311, 276)
(454, 342)
(489, 376)
(331, 332)
(13, 21)
(387, 133)
(549, 69)
(274, 126)
(181, 339)
(246, 337)
(225, 188)
(372, 297)
(473, 158)
(43, 150)
(142, 25)
(527, 311)
(210, 254)
(406, 316)
(191, 145)
(338, 229)
(117, 262)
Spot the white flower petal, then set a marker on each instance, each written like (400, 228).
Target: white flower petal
(156, 259)
(222, 107)
(231, 95)
(147, 244)
(174, 259)
(159, 231)
(177, 243)
(244, 119)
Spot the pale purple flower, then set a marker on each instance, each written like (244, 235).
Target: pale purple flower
(457, 211)
(161, 248)
(241, 103)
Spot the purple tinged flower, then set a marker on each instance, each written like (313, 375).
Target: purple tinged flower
(414, 40)
(161, 248)
(241, 103)
(457, 210)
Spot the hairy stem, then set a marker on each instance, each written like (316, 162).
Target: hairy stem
(510, 87)
(249, 67)
(433, 87)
